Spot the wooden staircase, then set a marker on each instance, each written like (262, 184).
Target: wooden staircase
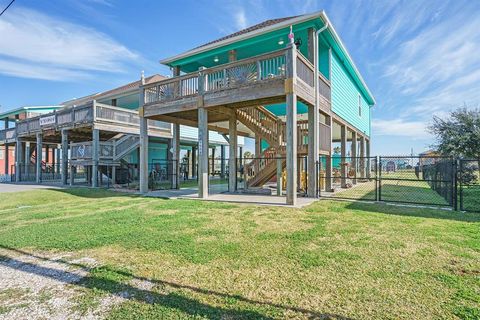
(272, 129)
(263, 123)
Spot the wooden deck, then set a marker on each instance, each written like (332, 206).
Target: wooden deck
(83, 119)
(251, 82)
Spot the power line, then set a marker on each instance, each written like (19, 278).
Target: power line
(11, 2)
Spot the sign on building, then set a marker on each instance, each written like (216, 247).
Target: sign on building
(45, 121)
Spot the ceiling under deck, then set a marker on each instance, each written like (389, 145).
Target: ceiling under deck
(218, 120)
(79, 134)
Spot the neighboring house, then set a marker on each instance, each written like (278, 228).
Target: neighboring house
(288, 82)
(112, 116)
(8, 120)
(428, 157)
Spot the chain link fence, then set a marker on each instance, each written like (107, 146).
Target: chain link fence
(469, 184)
(353, 178)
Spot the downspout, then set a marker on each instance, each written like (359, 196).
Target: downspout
(315, 63)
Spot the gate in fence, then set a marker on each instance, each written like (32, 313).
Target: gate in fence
(406, 179)
(417, 180)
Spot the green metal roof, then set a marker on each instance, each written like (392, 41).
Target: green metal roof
(266, 39)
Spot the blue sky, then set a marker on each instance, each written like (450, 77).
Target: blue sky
(419, 58)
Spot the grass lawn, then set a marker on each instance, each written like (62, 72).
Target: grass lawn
(332, 260)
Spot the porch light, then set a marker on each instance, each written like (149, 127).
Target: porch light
(215, 59)
(280, 42)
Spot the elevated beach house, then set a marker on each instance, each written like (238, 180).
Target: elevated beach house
(287, 83)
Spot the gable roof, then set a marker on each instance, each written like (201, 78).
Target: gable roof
(258, 26)
(127, 88)
(272, 25)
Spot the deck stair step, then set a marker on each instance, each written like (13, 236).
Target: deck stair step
(273, 130)
(126, 144)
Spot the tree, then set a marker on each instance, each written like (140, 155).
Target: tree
(247, 155)
(459, 134)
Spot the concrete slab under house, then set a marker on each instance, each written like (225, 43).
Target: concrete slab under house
(287, 83)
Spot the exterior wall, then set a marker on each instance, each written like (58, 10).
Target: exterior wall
(345, 96)
(11, 158)
(156, 151)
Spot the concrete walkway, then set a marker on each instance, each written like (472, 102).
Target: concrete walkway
(217, 193)
(242, 198)
(18, 187)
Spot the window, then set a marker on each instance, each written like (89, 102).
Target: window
(359, 105)
(1, 154)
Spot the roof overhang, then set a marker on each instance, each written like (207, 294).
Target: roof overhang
(248, 35)
(319, 14)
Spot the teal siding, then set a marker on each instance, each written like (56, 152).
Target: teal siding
(345, 97)
(156, 151)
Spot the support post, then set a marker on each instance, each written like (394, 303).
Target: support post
(6, 155)
(18, 159)
(72, 175)
(202, 153)
(328, 172)
(194, 162)
(143, 150)
(213, 160)
(28, 161)
(258, 152)
(313, 121)
(291, 119)
(95, 154)
(54, 160)
(232, 153)
(362, 157)
(143, 155)
(47, 154)
(7, 159)
(279, 176)
(176, 155)
(64, 156)
(57, 161)
(114, 175)
(343, 155)
(189, 164)
(38, 175)
(222, 161)
(313, 148)
(353, 156)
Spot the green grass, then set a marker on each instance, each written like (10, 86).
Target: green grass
(214, 260)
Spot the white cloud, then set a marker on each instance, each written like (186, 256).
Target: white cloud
(438, 68)
(34, 45)
(401, 128)
(241, 19)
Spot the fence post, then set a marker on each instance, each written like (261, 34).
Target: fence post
(455, 183)
(379, 176)
(461, 183)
